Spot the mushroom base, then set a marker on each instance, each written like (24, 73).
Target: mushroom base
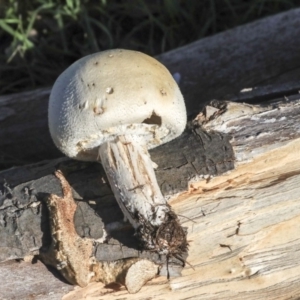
(129, 169)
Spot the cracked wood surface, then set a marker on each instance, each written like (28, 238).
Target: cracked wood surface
(242, 224)
(244, 241)
(24, 217)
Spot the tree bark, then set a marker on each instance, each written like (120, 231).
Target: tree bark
(263, 55)
(233, 177)
(242, 224)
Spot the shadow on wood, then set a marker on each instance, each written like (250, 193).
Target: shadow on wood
(241, 224)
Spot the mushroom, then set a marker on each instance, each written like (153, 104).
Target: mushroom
(112, 107)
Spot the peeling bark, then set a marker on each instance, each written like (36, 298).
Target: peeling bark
(238, 222)
(232, 177)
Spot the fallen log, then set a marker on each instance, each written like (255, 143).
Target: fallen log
(259, 55)
(238, 200)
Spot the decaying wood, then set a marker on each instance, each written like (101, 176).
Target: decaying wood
(27, 280)
(245, 239)
(263, 55)
(242, 225)
(255, 129)
(73, 255)
(24, 218)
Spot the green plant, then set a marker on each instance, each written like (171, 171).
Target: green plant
(40, 38)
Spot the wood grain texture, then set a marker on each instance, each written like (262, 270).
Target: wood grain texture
(262, 55)
(242, 223)
(24, 216)
(243, 227)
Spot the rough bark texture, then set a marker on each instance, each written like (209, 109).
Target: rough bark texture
(233, 177)
(241, 225)
(263, 55)
(24, 217)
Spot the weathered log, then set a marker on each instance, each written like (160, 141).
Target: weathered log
(242, 224)
(24, 189)
(256, 55)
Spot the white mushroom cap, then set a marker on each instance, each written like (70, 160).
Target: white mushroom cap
(110, 93)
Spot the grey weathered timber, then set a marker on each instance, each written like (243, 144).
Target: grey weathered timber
(256, 129)
(244, 224)
(24, 217)
(263, 54)
(198, 152)
(226, 210)
(24, 280)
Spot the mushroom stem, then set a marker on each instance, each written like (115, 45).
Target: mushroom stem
(129, 169)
